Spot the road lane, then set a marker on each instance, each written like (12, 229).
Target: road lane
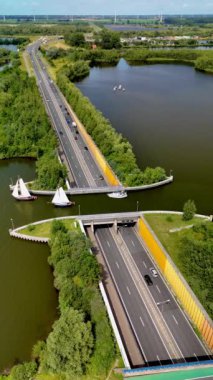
(82, 165)
(147, 335)
(187, 340)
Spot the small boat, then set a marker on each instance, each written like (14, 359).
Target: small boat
(118, 194)
(120, 87)
(123, 89)
(114, 88)
(60, 198)
(21, 192)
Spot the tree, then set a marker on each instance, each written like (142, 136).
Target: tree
(189, 209)
(75, 39)
(25, 371)
(69, 346)
(109, 40)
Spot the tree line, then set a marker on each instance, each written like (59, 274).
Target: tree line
(81, 341)
(25, 128)
(196, 254)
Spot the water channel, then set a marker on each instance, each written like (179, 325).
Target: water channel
(166, 113)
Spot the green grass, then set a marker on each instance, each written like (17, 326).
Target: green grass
(162, 223)
(43, 229)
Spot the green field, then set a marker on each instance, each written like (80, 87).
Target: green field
(43, 229)
(162, 224)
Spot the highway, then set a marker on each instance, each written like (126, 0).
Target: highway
(161, 328)
(83, 167)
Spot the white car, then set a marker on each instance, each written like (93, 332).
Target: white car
(154, 272)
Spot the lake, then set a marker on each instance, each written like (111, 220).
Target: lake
(166, 114)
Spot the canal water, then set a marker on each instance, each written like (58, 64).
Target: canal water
(166, 113)
(28, 298)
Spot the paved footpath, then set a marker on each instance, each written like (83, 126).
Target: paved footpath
(195, 374)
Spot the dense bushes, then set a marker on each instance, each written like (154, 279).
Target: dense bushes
(89, 55)
(76, 71)
(146, 55)
(5, 56)
(204, 64)
(196, 252)
(116, 149)
(25, 129)
(81, 341)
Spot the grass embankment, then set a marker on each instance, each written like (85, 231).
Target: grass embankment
(190, 249)
(44, 229)
(162, 224)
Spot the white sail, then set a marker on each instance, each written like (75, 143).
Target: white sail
(63, 196)
(21, 192)
(56, 197)
(23, 189)
(15, 192)
(60, 198)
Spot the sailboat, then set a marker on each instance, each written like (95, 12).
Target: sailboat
(21, 192)
(118, 194)
(60, 199)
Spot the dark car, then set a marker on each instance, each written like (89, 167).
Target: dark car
(77, 133)
(148, 280)
(61, 133)
(85, 148)
(101, 177)
(76, 138)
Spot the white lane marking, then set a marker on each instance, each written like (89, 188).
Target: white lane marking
(196, 357)
(158, 358)
(175, 319)
(128, 290)
(108, 243)
(133, 243)
(142, 321)
(158, 289)
(144, 264)
(117, 265)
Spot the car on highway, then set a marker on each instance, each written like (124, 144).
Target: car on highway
(148, 280)
(76, 138)
(154, 272)
(61, 133)
(85, 148)
(101, 177)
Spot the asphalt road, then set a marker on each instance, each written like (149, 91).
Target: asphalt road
(145, 332)
(187, 340)
(149, 338)
(84, 169)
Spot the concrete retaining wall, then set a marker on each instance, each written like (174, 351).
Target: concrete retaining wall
(187, 298)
